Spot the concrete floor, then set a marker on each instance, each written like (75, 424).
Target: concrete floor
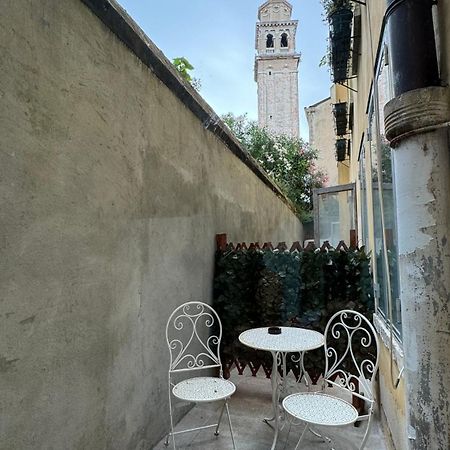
(252, 402)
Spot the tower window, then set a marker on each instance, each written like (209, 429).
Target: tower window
(269, 41)
(270, 73)
(284, 40)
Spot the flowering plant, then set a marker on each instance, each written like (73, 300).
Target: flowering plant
(289, 161)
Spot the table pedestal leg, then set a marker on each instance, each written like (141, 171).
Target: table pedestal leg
(278, 359)
(275, 388)
(302, 371)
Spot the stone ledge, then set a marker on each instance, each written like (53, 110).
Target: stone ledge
(416, 111)
(277, 23)
(383, 331)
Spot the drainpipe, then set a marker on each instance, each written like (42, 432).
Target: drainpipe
(417, 126)
(412, 44)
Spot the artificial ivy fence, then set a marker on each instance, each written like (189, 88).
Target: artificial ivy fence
(264, 286)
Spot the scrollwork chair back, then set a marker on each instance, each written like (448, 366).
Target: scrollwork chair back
(352, 352)
(193, 335)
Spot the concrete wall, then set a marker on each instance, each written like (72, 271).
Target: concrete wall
(112, 190)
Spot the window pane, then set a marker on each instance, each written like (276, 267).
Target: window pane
(363, 198)
(381, 156)
(385, 159)
(378, 234)
(336, 216)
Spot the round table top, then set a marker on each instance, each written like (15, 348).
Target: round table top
(291, 339)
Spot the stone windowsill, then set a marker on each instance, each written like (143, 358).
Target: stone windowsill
(383, 331)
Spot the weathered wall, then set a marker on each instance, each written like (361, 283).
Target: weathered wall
(393, 415)
(422, 164)
(111, 191)
(417, 413)
(322, 137)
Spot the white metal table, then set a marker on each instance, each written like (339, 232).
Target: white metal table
(290, 340)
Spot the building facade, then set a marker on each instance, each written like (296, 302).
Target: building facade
(392, 61)
(276, 68)
(322, 138)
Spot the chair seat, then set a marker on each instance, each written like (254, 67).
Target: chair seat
(203, 389)
(320, 409)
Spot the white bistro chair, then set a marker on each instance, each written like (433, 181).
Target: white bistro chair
(193, 334)
(345, 370)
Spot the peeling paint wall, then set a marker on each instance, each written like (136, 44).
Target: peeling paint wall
(111, 193)
(422, 168)
(417, 413)
(392, 401)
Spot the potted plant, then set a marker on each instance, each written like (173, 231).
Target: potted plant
(331, 6)
(339, 14)
(341, 149)
(340, 116)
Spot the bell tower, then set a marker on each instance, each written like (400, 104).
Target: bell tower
(276, 68)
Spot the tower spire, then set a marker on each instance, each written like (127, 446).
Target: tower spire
(276, 68)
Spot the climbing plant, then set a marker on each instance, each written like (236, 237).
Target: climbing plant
(184, 68)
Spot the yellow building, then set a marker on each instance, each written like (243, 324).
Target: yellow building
(390, 62)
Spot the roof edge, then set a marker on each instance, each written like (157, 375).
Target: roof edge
(318, 103)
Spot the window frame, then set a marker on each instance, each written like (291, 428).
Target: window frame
(332, 190)
(374, 137)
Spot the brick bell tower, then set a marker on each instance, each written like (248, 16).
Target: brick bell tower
(276, 68)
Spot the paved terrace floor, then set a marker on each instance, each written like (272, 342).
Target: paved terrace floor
(252, 402)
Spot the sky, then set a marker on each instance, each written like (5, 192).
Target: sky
(218, 39)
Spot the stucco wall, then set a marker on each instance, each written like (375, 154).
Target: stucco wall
(322, 137)
(111, 193)
(392, 400)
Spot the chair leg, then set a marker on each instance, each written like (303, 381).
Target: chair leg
(329, 442)
(288, 434)
(216, 433)
(229, 423)
(171, 422)
(301, 437)
(366, 434)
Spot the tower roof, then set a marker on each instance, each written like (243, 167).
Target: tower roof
(274, 10)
